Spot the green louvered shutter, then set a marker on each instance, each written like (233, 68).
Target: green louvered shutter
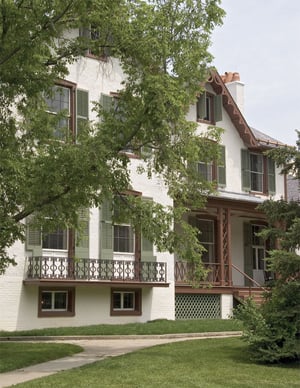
(271, 177)
(82, 111)
(106, 231)
(147, 250)
(248, 265)
(147, 245)
(82, 236)
(33, 239)
(218, 105)
(222, 167)
(201, 106)
(245, 161)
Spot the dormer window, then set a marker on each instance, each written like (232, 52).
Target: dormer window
(99, 42)
(209, 108)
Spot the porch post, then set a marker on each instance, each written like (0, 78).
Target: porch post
(224, 243)
(221, 246)
(229, 260)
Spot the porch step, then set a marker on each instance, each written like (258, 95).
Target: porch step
(244, 293)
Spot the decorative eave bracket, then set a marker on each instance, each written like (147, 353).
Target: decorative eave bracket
(233, 111)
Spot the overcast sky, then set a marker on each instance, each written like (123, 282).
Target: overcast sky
(260, 39)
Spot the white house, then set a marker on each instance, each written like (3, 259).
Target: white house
(120, 278)
(246, 177)
(112, 281)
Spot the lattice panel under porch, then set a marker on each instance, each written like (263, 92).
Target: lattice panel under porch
(197, 306)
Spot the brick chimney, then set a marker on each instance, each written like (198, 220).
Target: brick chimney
(235, 87)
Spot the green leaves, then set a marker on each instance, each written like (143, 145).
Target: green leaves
(273, 329)
(162, 48)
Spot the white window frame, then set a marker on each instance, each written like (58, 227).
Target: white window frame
(211, 245)
(131, 233)
(56, 90)
(256, 175)
(53, 293)
(66, 238)
(122, 299)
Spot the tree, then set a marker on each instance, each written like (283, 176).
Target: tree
(162, 46)
(273, 330)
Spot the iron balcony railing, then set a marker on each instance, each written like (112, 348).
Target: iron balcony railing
(61, 268)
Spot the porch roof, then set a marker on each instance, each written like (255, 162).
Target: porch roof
(233, 196)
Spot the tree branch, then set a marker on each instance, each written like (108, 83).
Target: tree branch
(26, 212)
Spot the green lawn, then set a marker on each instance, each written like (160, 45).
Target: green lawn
(208, 363)
(14, 355)
(151, 327)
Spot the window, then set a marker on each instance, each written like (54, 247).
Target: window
(111, 103)
(123, 300)
(99, 42)
(67, 242)
(73, 111)
(207, 171)
(56, 302)
(56, 240)
(258, 248)
(213, 171)
(60, 103)
(258, 173)
(206, 237)
(209, 107)
(126, 302)
(123, 239)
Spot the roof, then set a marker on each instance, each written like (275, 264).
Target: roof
(264, 139)
(251, 137)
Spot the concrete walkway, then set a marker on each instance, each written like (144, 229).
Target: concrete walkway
(96, 348)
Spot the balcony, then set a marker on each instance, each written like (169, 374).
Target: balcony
(218, 274)
(94, 270)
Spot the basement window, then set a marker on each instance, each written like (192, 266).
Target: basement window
(126, 302)
(56, 302)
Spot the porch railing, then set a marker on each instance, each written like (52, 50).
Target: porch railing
(184, 273)
(251, 282)
(61, 268)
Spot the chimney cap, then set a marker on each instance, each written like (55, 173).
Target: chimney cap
(230, 77)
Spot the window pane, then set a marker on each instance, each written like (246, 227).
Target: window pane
(207, 239)
(56, 240)
(123, 238)
(257, 240)
(256, 171)
(256, 182)
(207, 231)
(128, 300)
(60, 300)
(123, 300)
(256, 163)
(209, 255)
(59, 100)
(205, 170)
(116, 300)
(261, 258)
(208, 109)
(46, 300)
